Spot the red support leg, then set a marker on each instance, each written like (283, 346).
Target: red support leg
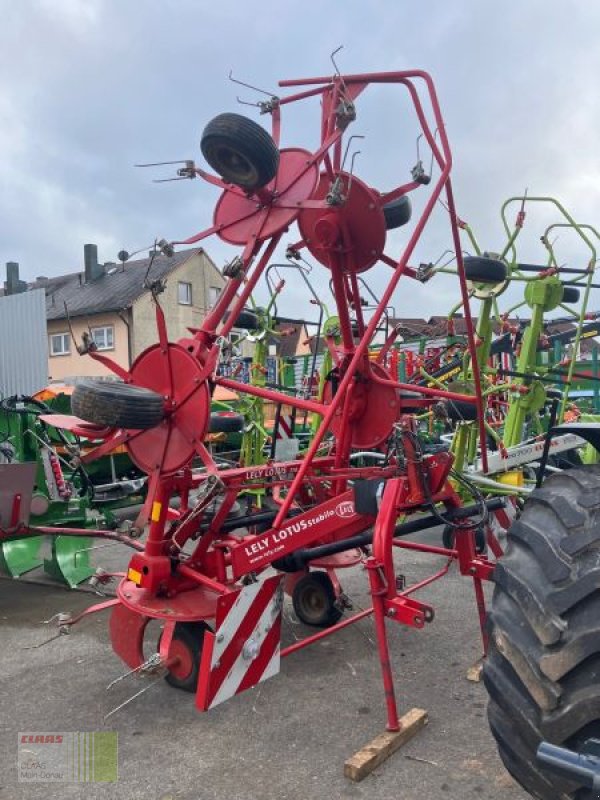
(378, 592)
(480, 599)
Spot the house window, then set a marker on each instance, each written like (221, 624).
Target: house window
(60, 344)
(104, 337)
(185, 293)
(213, 295)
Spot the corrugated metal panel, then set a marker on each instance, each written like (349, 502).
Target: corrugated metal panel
(302, 367)
(23, 343)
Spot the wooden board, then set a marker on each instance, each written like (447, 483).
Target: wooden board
(375, 753)
(474, 672)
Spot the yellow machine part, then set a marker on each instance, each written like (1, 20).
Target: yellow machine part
(513, 478)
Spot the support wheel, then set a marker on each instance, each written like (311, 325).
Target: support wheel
(240, 151)
(459, 411)
(484, 270)
(398, 212)
(314, 600)
(544, 659)
(117, 405)
(570, 294)
(225, 423)
(188, 638)
(246, 320)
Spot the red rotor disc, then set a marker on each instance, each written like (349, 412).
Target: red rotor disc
(173, 373)
(240, 217)
(372, 413)
(351, 234)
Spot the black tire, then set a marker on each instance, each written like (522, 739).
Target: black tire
(449, 534)
(191, 636)
(566, 460)
(407, 404)
(459, 411)
(221, 423)
(485, 270)
(398, 212)
(247, 320)
(314, 599)
(542, 668)
(570, 294)
(240, 151)
(117, 405)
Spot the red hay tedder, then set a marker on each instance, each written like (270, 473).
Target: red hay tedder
(215, 590)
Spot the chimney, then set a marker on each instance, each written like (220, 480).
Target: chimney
(13, 285)
(93, 270)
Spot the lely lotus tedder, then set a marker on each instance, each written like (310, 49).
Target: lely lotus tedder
(215, 580)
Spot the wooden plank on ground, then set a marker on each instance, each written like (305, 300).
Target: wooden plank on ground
(373, 754)
(475, 671)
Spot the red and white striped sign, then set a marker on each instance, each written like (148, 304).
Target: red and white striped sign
(245, 648)
(286, 445)
(285, 429)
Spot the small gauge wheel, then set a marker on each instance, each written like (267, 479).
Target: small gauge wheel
(314, 600)
(186, 646)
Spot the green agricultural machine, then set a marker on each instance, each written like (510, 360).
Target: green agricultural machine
(520, 397)
(42, 465)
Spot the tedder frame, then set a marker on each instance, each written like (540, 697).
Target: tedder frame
(195, 566)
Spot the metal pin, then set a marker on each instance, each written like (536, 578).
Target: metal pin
(133, 697)
(152, 663)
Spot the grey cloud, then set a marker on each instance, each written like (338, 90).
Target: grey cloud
(89, 87)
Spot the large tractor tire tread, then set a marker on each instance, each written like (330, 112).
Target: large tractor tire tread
(543, 663)
(240, 150)
(117, 405)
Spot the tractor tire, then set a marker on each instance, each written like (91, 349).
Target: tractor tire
(314, 599)
(542, 667)
(398, 212)
(188, 638)
(570, 294)
(484, 270)
(247, 320)
(117, 405)
(240, 151)
(225, 423)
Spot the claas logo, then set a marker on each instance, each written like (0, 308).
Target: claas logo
(41, 738)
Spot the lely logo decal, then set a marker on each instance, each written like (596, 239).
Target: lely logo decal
(345, 509)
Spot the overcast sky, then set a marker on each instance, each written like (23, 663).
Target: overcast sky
(90, 87)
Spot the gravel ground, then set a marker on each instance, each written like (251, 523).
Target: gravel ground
(287, 739)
